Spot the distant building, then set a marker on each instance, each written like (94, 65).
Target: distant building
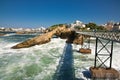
(2, 29)
(78, 24)
(109, 26)
(116, 26)
(41, 29)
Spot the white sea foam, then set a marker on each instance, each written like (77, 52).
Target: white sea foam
(10, 34)
(44, 59)
(21, 59)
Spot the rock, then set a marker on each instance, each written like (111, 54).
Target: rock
(78, 39)
(85, 51)
(35, 41)
(25, 32)
(20, 32)
(2, 34)
(103, 74)
(62, 32)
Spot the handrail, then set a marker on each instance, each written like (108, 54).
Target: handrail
(111, 35)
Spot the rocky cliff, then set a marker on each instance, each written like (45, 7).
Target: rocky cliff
(62, 32)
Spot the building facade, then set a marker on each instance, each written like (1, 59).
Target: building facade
(77, 23)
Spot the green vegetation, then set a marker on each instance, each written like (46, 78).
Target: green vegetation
(80, 28)
(55, 26)
(90, 27)
(94, 26)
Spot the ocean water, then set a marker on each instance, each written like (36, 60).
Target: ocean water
(55, 60)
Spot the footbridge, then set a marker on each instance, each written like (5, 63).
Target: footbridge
(106, 39)
(112, 36)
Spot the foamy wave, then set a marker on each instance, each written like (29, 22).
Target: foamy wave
(10, 34)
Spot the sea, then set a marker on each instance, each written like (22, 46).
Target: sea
(56, 60)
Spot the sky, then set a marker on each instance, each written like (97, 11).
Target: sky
(37, 13)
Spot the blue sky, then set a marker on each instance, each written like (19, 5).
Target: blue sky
(36, 13)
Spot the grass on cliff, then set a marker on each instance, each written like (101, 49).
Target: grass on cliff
(55, 26)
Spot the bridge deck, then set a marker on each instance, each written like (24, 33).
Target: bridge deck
(113, 36)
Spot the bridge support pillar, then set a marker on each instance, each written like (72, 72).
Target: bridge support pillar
(99, 62)
(100, 69)
(85, 49)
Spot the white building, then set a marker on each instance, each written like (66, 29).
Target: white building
(77, 23)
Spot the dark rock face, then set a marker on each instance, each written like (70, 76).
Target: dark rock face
(78, 39)
(62, 32)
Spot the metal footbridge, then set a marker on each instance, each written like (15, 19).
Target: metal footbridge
(109, 38)
(103, 60)
(112, 36)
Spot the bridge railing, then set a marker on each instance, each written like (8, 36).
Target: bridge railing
(111, 35)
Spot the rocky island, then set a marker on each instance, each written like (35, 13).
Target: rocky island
(60, 31)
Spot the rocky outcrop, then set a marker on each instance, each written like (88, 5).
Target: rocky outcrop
(62, 32)
(85, 51)
(35, 41)
(78, 39)
(104, 73)
(2, 34)
(25, 32)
